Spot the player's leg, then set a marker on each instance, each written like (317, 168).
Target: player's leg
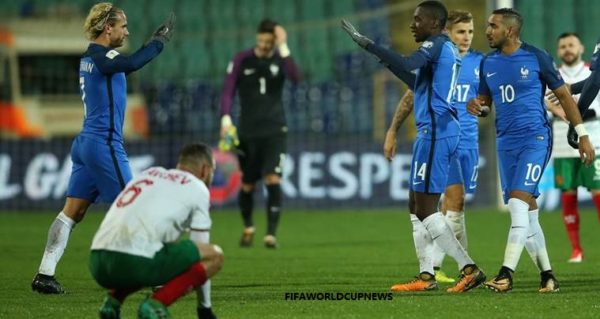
(566, 175)
(428, 181)
(210, 263)
(423, 244)
(81, 193)
(590, 177)
(274, 156)
(250, 166)
(536, 247)
(203, 293)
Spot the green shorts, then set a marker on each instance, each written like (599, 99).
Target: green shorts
(120, 270)
(569, 173)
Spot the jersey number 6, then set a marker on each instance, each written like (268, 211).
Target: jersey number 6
(132, 192)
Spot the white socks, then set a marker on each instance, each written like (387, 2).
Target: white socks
(58, 236)
(536, 243)
(423, 245)
(519, 227)
(456, 221)
(202, 292)
(443, 236)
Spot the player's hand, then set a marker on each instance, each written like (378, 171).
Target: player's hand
(556, 110)
(389, 145)
(475, 107)
(586, 150)
(551, 97)
(572, 137)
(357, 37)
(165, 30)
(229, 138)
(280, 35)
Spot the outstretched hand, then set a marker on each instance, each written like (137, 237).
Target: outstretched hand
(165, 30)
(356, 37)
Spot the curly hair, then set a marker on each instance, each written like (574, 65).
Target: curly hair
(100, 15)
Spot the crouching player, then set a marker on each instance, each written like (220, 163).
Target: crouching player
(138, 243)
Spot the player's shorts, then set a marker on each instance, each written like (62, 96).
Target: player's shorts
(522, 168)
(260, 156)
(118, 270)
(100, 171)
(569, 173)
(463, 169)
(431, 163)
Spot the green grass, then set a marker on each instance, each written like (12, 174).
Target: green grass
(327, 251)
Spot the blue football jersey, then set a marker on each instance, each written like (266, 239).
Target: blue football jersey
(516, 83)
(466, 89)
(435, 114)
(103, 88)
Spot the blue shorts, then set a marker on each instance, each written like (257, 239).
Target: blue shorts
(431, 163)
(100, 171)
(522, 168)
(463, 169)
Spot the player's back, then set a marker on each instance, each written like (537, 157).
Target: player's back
(155, 207)
(104, 96)
(466, 89)
(516, 83)
(435, 113)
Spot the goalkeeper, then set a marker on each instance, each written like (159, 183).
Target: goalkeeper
(258, 74)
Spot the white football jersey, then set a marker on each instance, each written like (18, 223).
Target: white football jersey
(560, 147)
(156, 207)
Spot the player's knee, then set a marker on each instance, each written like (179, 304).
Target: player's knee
(248, 188)
(213, 260)
(272, 179)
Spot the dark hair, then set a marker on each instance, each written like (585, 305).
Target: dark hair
(195, 154)
(568, 34)
(266, 26)
(437, 9)
(512, 14)
(458, 16)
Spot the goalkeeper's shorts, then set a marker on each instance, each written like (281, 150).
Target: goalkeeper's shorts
(260, 156)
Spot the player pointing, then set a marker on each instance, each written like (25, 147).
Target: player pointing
(100, 164)
(514, 77)
(436, 64)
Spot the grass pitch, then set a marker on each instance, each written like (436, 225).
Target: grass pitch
(326, 251)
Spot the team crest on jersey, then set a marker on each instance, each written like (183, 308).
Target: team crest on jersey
(427, 44)
(524, 73)
(274, 68)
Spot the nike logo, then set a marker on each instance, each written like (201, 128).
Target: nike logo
(529, 184)
(417, 183)
(249, 71)
(491, 74)
(472, 186)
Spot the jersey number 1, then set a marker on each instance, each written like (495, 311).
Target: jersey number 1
(263, 85)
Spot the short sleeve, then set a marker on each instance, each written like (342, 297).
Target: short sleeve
(548, 71)
(483, 89)
(200, 212)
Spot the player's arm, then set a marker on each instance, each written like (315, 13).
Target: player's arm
(226, 103)
(113, 62)
(589, 92)
(556, 109)
(289, 66)
(403, 110)
(482, 103)
(401, 66)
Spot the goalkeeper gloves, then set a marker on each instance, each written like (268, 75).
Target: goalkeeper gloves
(229, 139)
(356, 37)
(572, 137)
(165, 31)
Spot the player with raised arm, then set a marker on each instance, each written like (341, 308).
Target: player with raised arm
(100, 165)
(569, 173)
(138, 243)
(462, 176)
(258, 75)
(514, 77)
(436, 64)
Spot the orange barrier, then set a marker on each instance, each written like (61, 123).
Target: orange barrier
(13, 120)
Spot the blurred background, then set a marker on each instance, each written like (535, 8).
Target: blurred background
(337, 115)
